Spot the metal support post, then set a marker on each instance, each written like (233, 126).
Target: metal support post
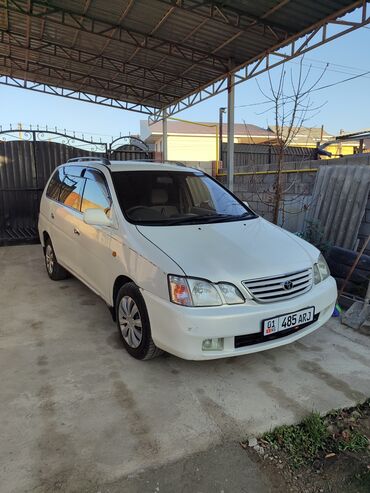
(164, 137)
(220, 128)
(230, 131)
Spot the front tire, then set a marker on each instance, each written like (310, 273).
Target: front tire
(55, 271)
(133, 323)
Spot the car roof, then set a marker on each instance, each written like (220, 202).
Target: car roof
(115, 166)
(147, 166)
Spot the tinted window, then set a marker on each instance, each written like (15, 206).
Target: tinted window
(73, 170)
(55, 183)
(71, 192)
(96, 195)
(175, 197)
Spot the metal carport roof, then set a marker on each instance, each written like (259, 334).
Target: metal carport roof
(148, 55)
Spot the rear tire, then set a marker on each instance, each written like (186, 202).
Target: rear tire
(351, 287)
(55, 271)
(344, 256)
(339, 270)
(133, 323)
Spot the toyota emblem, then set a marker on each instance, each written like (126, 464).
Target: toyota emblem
(287, 285)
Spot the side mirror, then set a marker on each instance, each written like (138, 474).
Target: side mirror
(96, 217)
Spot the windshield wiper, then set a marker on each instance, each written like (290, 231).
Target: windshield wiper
(206, 219)
(188, 219)
(246, 215)
(230, 217)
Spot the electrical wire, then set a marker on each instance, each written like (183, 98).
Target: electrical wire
(315, 60)
(357, 76)
(341, 81)
(327, 67)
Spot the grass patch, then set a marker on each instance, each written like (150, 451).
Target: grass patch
(300, 442)
(318, 435)
(356, 443)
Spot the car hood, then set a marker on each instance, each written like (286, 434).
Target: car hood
(232, 251)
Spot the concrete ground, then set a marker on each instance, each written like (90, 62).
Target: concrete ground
(78, 414)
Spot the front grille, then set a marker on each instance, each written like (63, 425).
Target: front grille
(256, 338)
(276, 288)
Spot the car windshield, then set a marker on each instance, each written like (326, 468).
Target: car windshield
(165, 198)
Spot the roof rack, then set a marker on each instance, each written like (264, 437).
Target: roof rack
(150, 160)
(102, 160)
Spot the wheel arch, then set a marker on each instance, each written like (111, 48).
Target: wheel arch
(118, 283)
(45, 238)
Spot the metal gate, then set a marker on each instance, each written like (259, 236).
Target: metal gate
(28, 157)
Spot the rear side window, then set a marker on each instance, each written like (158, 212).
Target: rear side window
(74, 170)
(55, 183)
(71, 192)
(96, 194)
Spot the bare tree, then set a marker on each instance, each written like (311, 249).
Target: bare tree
(290, 113)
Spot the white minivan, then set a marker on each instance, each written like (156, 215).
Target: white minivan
(183, 264)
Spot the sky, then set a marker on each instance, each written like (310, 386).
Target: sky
(343, 106)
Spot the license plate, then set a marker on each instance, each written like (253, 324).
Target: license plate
(288, 321)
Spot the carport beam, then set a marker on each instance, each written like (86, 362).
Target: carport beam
(230, 131)
(164, 131)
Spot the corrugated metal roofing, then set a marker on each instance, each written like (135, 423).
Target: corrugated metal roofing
(152, 52)
(304, 135)
(177, 127)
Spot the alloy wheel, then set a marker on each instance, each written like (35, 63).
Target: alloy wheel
(130, 322)
(49, 259)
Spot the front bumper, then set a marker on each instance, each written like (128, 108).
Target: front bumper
(181, 330)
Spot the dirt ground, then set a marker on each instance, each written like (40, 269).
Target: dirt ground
(346, 471)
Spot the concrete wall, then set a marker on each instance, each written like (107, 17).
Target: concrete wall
(205, 166)
(257, 190)
(191, 147)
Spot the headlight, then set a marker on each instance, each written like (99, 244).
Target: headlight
(320, 270)
(231, 293)
(204, 293)
(198, 292)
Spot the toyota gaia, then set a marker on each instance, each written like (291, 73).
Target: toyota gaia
(183, 264)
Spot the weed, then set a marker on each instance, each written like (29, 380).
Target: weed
(356, 442)
(303, 442)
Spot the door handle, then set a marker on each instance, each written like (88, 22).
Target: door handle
(52, 215)
(76, 232)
